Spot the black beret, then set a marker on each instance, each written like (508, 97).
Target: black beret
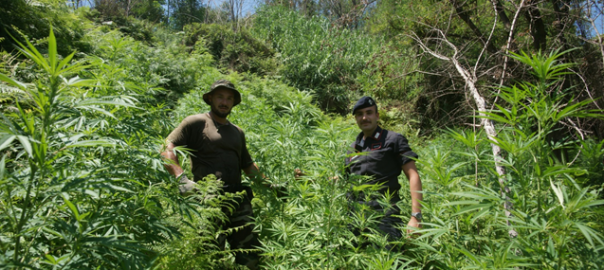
(363, 103)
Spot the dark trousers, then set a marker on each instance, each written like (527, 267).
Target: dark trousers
(388, 224)
(239, 213)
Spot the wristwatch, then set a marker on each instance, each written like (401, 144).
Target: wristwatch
(417, 215)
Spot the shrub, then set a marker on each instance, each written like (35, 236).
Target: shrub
(315, 56)
(82, 182)
(238, 51)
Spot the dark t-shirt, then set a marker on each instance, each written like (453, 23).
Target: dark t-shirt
(215, 149)
(386, 153)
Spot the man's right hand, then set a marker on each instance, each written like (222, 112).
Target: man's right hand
(185, 186)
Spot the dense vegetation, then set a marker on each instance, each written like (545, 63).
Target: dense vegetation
(86, 105)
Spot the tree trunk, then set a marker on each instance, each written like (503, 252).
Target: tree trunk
(533, 16)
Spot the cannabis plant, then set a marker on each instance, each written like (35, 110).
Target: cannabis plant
(80, 188)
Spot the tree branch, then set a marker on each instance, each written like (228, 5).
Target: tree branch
(501, 13)
(507, 48)
(470, 80)
(463, 15)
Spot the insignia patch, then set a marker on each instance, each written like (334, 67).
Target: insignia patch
(376, 146)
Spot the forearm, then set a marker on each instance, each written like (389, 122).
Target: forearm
(171, 161)
(253, 172)
(415, 185)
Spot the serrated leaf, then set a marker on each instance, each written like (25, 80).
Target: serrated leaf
(12, 82)
(6, 140)
(89, 143)
(50, 259)
(52, 51)
(558, 193)
(2, 167)
(589, 233)
(72, 207)
(26, 145)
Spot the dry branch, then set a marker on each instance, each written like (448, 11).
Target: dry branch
(470, 81)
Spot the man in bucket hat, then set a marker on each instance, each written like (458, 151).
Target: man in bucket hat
(218, 147)
(383, 155)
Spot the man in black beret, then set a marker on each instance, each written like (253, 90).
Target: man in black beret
(383, 154)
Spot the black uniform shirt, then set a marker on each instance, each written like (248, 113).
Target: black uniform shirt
(387, 152)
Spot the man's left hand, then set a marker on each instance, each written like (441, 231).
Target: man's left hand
(280, 190)
(413, 222)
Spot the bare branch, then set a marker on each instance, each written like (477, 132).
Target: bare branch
(507, 49)
(463, 15)
(488, 40)
(586, 88)
(470, 82)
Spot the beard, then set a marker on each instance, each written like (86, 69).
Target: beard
(216, 112)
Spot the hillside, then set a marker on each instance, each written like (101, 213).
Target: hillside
(87, 101)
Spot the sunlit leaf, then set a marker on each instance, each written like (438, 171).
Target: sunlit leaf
(24, 140)
(90, 143)
(6, 140)
(558, 192)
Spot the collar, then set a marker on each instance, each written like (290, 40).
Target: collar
(377, 134)
(216, 124)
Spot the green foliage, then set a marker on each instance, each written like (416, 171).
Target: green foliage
(186, 12)
(316, 56)
(150, 10)
(556, 207)
(82, 184)
(482, 31)
(198, 245)
(70, 197)
(237, 51)
(138, 29)
(149, 70)
(392, 74)
(32, 20)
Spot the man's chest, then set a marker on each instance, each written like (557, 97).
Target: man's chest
(221, 139)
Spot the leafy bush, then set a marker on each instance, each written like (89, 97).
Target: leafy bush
(163, 72)
(315, 56)
(32, 20)
(556, 215)
(71, 197)
(238, 51)
(140, 30)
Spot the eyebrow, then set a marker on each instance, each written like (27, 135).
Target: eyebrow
(361, 110)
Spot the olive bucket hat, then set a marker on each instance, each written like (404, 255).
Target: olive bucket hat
(223, 84)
